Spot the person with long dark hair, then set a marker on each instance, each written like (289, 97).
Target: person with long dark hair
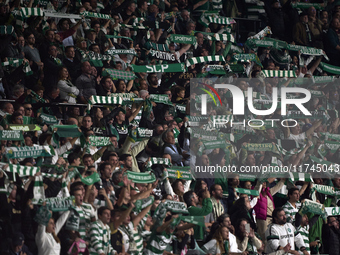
(246, 241)
(242, 209)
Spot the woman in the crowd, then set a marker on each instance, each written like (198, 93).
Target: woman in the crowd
(247, 241)
(68, 91)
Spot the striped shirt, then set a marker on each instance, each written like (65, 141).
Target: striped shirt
(135, 237)
(100, 235)
(85, 212)
(291, 211)
(158, 243)
(304, 231)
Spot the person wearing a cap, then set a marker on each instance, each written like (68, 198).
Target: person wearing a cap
(17, 246)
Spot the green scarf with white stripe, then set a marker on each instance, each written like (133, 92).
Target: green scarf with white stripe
(198, 60)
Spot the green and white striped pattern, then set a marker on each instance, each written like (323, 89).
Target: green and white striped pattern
(217, 5)
(222, 21)
(304, 231)
(160, 161)
(224, 37)
(136, 120)
(84, 214)
(291, 211)
(38, 189)
(6, 30)
(100, 238)
(105, 100)
(135, 247)
(279, 73)
(13, 62)
(198, 60)
(305, 177)
(58, 176)
(32, 12)
(158, 243)
(21, 170)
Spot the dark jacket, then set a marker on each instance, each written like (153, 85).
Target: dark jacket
(330, 237)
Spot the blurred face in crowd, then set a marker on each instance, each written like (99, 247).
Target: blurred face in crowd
(28, 141)
(50, 36)
(21, 41)
(121, 87)
(79, 196)
(88, 161)
(18, 120)
(107, 172)
(170, 138)
(295, 196)
(28, 109)
(333, 222)
(50, 228)
(108, 84)
(281, 218)
(53, 51)
(70, 53)
(105, 216)
(205, 160)
(304, 19)
(243, 85)
(250, 161)
(65, 25)
(200, 38)
(86, 68)
(87, 122)
(113, 161)
(336, 24)
(227, 222)
(128, 162)
(143, 85)
(218, 193)
(31, 39)
(295, 130)
(311, 11)
(96, 49)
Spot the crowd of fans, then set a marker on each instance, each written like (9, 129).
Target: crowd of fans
(98, 153)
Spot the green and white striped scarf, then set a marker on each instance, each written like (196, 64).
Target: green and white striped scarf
(159, 161)
(198, 60)
(221, 20)
(278, 73)
(330, 68)
(38, 188)
(224, 37)
(105, 100)
(6, 30)
(161, 47)
(262, 33)
(307, 5)
(118, 74)
(22, 171)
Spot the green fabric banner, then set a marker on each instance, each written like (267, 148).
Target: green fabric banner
(307, 5)
(186, 39)
(162, 55)
(182, 173)
(99, 141)
(56, 204)
(251, 192)
(147, 177)
(329, 68)
(48, 119)
(95, 15)
(26, 128)
(30, 152)
(121, 51)
(248, 57)
(141, 204)
(160, 98)
(332, 211)
(313, 207)
(262, 33)
(165, 68)
(13, 135)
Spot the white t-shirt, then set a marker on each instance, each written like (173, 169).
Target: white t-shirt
(300, 138)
